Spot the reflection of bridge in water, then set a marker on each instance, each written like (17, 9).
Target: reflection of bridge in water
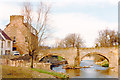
(111, 54)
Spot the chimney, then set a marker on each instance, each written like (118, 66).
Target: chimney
(16, 19)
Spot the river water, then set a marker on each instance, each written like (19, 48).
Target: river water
(95, 71)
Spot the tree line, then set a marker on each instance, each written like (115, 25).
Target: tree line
(71, 40)
(106, 38)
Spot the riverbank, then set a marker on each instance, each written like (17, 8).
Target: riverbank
(104, 63)
(20, 72)
(16, 68)
(74, 67)
(57, 75)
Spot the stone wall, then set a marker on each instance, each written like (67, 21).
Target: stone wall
(21, 63)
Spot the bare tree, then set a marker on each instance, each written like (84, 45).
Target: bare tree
(71, 40)
(36, 34)
(61, 44)
(107, 38)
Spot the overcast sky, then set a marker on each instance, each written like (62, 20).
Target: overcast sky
(85, 17)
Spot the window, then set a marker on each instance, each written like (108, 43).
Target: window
(25, 39)
(1, 52)
(7, 52)
(14, 48)
(9, 43)
(14, 39)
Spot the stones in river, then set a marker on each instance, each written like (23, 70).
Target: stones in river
(73, 67)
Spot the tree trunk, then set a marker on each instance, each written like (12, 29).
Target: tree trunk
(32, 62)
(73, 45)
(77, 59)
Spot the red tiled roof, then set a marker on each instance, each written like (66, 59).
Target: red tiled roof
(5, 35)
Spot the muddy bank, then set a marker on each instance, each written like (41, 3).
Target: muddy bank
(57, 63)
(73, 67)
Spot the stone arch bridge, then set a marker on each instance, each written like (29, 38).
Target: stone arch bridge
(111, 54)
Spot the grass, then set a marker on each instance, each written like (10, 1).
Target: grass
(104, 63)
(58, 75)
(22, 72)
(60, 58)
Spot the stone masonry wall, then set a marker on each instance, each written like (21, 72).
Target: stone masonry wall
(21, 63)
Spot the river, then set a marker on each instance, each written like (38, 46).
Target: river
(95, 71)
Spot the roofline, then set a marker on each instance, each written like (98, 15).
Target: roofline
(4, 35)
(17, 15)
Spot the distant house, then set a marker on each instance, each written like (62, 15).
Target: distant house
(5, 43)
(18, 31)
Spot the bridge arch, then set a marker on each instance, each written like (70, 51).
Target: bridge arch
(53, 54)
(97, 53)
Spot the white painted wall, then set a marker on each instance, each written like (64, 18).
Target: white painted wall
(0, 47)
(11, 46)
(2, 50)
(5, 46)
(8, 48)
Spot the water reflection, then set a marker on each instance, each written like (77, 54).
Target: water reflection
(95, 71)
(73, 72)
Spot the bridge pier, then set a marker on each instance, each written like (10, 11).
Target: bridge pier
(71, 62)
(113, 62)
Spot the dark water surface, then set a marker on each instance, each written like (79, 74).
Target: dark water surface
(95, 71)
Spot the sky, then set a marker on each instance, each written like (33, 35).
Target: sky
(84, 17)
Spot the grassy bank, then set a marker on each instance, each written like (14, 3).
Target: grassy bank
(22, 72)
(25, 72)
(58, 75)
(60, 58)
(104, 63)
